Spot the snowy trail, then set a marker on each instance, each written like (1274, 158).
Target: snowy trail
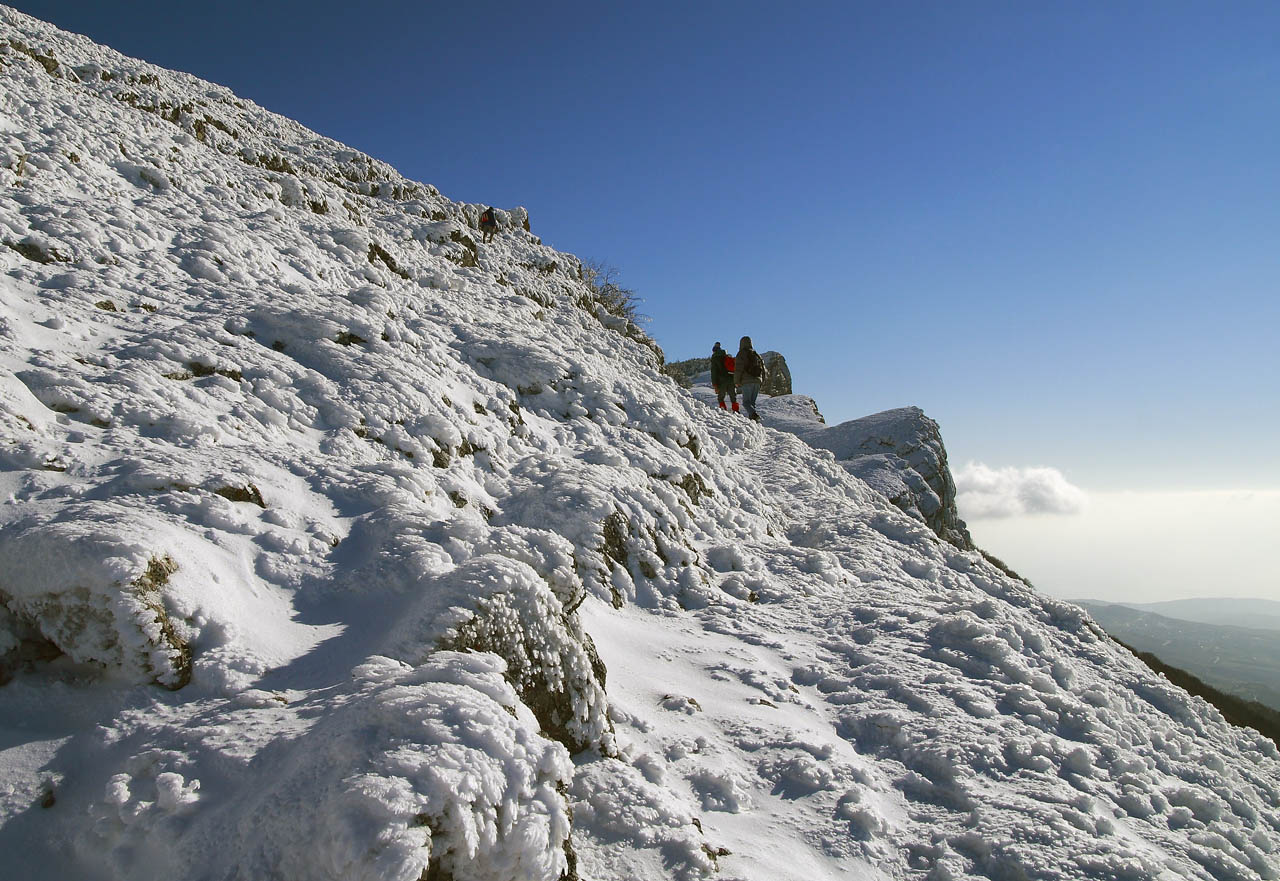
(755, 759)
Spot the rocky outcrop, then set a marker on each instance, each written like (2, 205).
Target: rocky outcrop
(778, 379)
(900, 453)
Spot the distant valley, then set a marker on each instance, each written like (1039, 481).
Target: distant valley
(1206, 637)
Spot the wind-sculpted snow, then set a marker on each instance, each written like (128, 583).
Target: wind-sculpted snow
(407, 770)
(339, 543)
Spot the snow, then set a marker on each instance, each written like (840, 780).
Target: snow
(337, 543)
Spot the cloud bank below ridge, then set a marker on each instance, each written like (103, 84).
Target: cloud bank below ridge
(983, 492)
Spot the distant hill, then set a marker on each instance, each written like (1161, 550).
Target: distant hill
(1252, 613)
(1242, 661)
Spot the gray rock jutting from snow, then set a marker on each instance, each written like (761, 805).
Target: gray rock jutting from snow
(900, 454)
(777, 380)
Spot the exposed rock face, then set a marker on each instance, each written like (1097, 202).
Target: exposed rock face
(778, 380)
(900, 453)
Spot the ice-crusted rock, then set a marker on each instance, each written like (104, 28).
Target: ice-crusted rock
(433, 770)
(94, 582)
(900, 453)
(798, 414)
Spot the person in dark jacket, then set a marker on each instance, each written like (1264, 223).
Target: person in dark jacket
(748, 373)
(488, 223)
(721, 378)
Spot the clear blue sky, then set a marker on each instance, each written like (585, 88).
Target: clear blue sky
(1054, 226)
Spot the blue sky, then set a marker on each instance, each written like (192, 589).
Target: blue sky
(1052, 226)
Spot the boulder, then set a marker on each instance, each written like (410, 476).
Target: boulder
(778, 380)
(900, 454)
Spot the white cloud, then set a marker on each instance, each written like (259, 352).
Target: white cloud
(986, 492)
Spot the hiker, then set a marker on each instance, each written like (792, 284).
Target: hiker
(722, 377)
(488, 223)
(748, 373)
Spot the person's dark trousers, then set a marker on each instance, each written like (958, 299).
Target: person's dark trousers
(733, 397)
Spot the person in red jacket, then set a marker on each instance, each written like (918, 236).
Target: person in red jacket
(722, 377)
(488, 223)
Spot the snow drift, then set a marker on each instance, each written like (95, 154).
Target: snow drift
(340, 544)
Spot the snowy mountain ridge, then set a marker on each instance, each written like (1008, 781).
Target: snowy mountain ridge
(339, 543)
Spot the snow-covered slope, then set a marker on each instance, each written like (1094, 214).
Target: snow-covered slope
(338, 543)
